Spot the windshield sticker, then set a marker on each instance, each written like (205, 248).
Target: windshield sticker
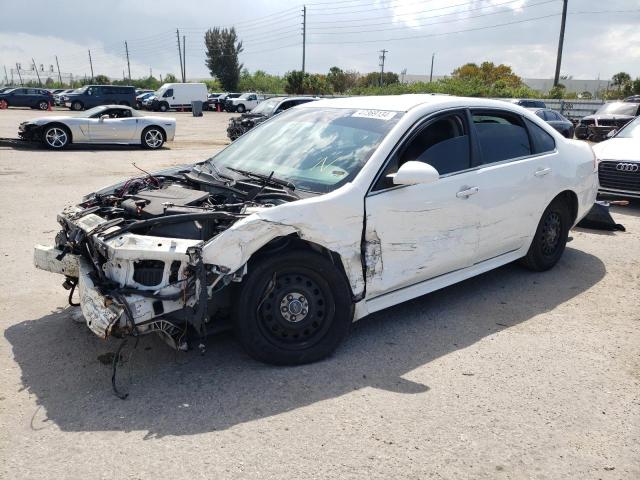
(379, 114)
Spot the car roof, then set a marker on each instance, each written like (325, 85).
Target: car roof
(404, 103)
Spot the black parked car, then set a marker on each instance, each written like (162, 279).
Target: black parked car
(556, 120)
(26, 97)
(91, 96)
(264, 111)
(610, 116)
(527, 103)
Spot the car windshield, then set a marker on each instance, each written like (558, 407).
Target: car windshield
(630, 130)
(618, 108)
(267, 107)
(316, 149)
(244, 96)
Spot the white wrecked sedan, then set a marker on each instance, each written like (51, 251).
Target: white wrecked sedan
(105, 124)
(321, 215)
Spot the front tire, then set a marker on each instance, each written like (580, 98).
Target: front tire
(77, 106)
(163, 107)
(293, 309)
(152, 138)
(56, 137)
(550, 239)
(241, 108)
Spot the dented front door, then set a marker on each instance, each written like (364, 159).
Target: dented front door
(418, 232)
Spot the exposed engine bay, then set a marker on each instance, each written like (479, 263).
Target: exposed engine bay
(135, 250)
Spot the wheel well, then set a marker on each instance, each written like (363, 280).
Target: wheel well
(164, 134)
(294, 242)
(60, 125)
(571, 200)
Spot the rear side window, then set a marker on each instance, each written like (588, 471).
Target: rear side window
(501, 135)
(542, 141)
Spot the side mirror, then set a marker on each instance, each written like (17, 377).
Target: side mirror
(611, 133)
(412, 173)
(102, 117)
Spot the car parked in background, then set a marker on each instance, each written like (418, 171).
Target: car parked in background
(57, 97)
(142, 97)
(557, 121)
(26, 97)
(265, 110)
(91, 96)
(212, 100)
(610, 116)
(529, 103)
(633, 98)
(321, 216)
(243, 103)
(102, 124)
(619, 161)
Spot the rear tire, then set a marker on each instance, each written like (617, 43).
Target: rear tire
(43, 105)
(550, 239)
(152, 138)
(293, 309)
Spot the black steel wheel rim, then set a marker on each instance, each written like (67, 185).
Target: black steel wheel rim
(296, 312)
(551, 233)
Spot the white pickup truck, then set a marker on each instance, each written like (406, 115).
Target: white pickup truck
(244, 103)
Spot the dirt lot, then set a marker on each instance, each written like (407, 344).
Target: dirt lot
(509, 375)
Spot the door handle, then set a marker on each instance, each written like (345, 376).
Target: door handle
(467, 192)
(541, 172)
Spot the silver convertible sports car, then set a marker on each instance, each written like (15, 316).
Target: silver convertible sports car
(103, 124)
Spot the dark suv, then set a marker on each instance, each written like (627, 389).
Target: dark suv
(26, 97)
(91, 96)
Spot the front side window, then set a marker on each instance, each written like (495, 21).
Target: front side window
(168, 93)
(316, 149)
(443, 143)
(501, 135)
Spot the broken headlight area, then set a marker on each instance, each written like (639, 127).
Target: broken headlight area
(30, 131)
(137, 251)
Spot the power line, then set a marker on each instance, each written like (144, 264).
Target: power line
(439, 22)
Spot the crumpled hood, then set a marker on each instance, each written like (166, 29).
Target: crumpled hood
(624, 149)
(43, 120)
(608, 116)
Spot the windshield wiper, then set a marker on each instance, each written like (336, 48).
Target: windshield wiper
(266, 178)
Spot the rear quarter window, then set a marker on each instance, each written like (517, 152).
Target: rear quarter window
(542, 141)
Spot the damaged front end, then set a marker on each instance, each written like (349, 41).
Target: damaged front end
(135, 252)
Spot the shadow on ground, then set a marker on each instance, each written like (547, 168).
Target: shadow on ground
(18, 144)
(223, 388)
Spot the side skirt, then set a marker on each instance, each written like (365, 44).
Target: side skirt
(407, 293)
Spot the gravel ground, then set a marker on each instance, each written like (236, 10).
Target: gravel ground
(508, 375)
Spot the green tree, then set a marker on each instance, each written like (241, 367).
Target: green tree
(294, 82)
(620, 79)
(170, 78)
(223, 49)
(487, 74)
(338, 79)
(101, 80)
(558, 91)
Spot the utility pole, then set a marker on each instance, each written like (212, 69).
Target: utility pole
(59, 76)
(431, 74)
(35, 67)
(126, 49)
(304, 35)
(91, 64)
(180, 53)
(382, 58)
(556, 78)
(19, 75)
(184, 59)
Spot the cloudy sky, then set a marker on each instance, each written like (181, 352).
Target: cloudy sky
(602, 37)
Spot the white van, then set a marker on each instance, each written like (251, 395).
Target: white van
(178, 95)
